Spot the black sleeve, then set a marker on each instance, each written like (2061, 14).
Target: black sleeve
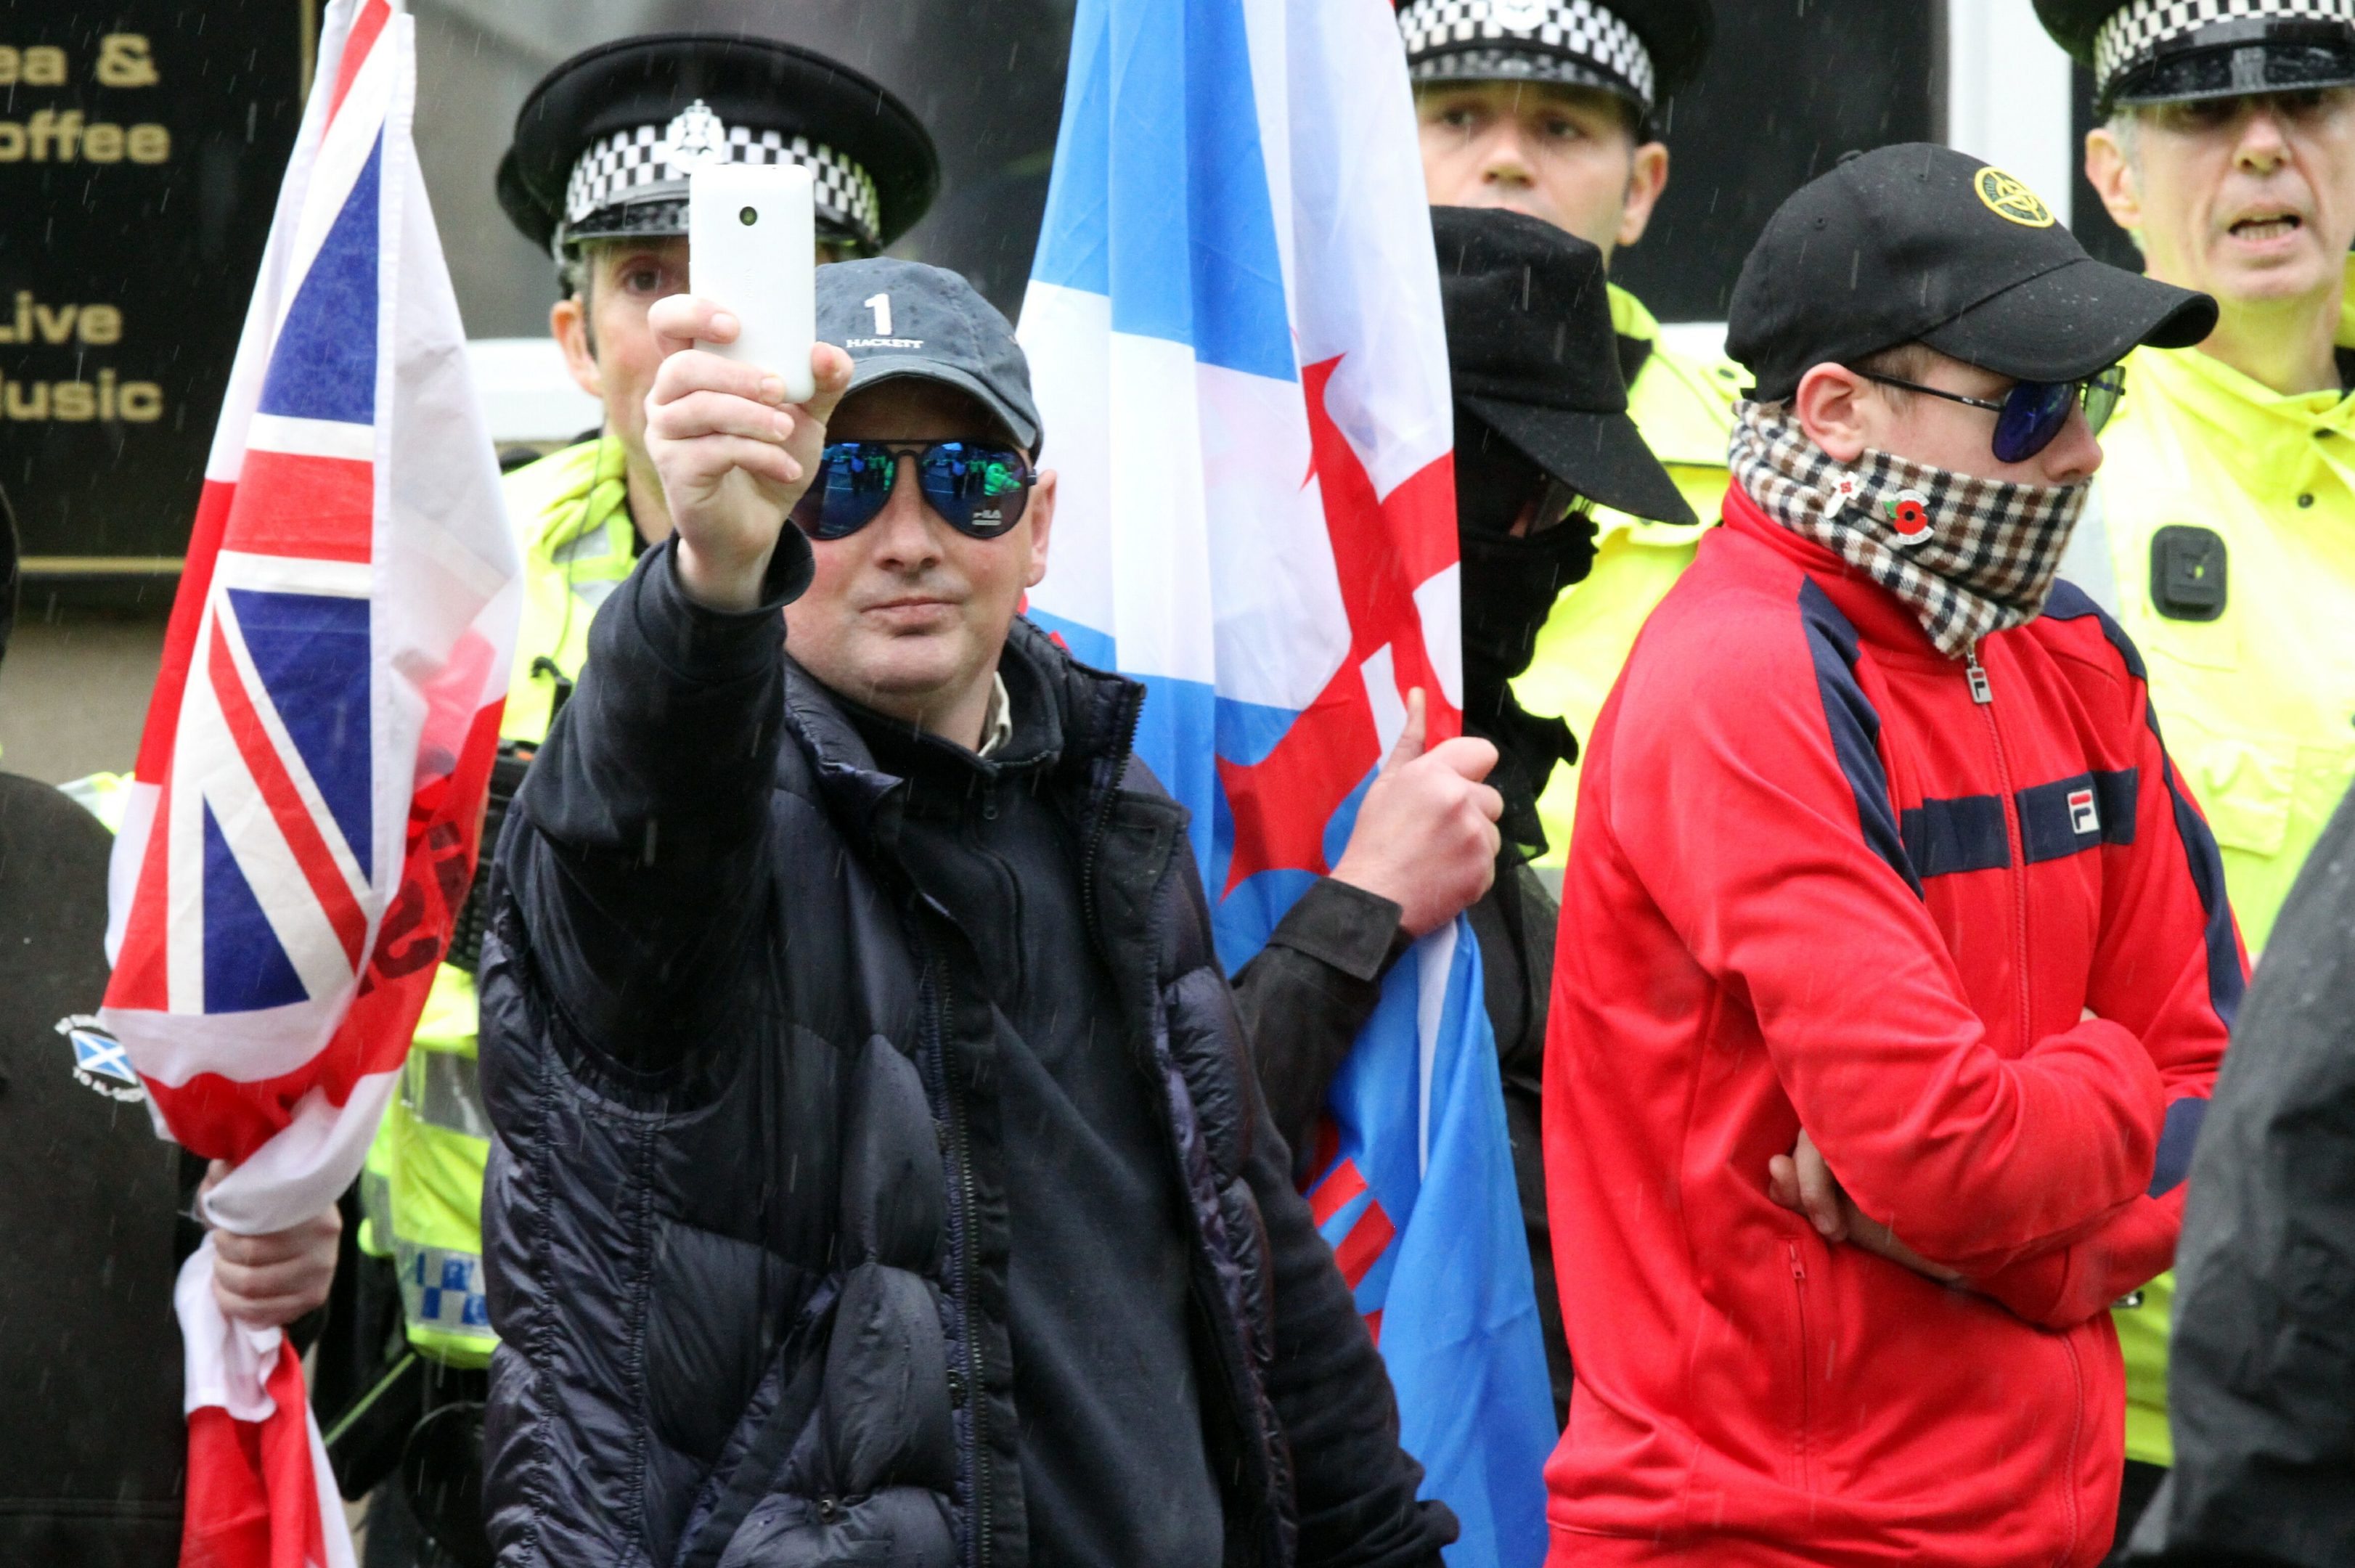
(2261, 1387)
(1355, 1485)
(637, 866)
(1309, 991)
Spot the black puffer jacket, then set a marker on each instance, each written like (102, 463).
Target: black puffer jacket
(744, 1225)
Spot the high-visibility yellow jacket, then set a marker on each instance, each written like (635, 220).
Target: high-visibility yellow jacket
(422, 1188)
(2258, 704)
(1684, 406)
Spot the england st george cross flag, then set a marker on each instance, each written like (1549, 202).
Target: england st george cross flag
(1234, 331)
(309, 789)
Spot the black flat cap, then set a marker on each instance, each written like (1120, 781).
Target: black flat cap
(1530, 353)
(1642, 50)
(604, 143)
(2162, 51)
(1922, 243)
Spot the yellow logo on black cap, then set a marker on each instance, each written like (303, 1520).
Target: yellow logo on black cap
(2009, 199)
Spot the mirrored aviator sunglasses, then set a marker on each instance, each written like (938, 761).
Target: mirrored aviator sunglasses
(2033, 413)
(979, 490)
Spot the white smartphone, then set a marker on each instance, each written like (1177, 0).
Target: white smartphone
(751, 235)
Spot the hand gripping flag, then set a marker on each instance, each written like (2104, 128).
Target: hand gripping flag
(310, 785)
(1233, 325)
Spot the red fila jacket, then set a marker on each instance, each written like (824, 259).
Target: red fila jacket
(1817, 882)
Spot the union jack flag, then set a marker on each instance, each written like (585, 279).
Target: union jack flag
(309, 788)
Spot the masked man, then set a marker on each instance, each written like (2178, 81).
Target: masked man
(597, 175)
(1550, 108)
(1542, 437)
(2224, 525)
(1919, 966)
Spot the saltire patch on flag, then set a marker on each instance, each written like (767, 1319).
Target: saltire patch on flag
(303, 821)
(1234, 331)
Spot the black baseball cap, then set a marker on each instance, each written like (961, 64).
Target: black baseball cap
(1922, 243)
(897, 318)
(604, 142)
(1531, 354)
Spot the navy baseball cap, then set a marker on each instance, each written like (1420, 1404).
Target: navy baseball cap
(898, 318)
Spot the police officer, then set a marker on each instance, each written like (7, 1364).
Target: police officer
(597, 174)
(1550, 107)
(2224, 533)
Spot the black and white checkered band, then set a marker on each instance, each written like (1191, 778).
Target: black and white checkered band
(1583, 29)
(617, 165)
(2140, 26)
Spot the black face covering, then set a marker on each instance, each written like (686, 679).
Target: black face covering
(1509, 585)
(1509, 588)
(1494, 478)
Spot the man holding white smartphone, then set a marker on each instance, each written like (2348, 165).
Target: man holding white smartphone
(598, 177)
(878, 1172)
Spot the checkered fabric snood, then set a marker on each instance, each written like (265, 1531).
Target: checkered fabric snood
(1582, 29)
(617, 164)
(2141, 25)
(1992, 550)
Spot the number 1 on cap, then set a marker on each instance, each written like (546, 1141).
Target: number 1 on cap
(881, 306)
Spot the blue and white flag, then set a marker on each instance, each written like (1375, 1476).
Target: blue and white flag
(1234, 331)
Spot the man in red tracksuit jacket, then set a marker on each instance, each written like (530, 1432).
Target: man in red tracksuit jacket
(1895, 963)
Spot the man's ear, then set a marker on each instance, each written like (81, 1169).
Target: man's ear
(568, 322)
(1040, 516)
(1647, 177)
(1829, 405)
(2112, 175)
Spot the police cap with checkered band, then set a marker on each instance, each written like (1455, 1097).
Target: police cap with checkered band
(603, 145)
(1918, 243)
(1640, 50)
(2174, 51)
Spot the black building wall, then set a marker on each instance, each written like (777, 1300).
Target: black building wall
(1791, 85)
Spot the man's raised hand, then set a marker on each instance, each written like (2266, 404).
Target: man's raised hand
(1426, 833)
(733, 455)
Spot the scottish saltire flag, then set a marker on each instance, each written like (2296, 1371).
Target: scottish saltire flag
(310, 784)
(1234, 331)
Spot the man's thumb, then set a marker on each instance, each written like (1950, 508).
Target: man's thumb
(1409, 745)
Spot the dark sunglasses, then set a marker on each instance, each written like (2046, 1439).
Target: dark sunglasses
(2032, 413)
(980, 491)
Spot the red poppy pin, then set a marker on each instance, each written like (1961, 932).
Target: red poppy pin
(1909, 516)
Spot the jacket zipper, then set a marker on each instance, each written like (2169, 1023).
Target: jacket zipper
(959, 1153)
(1096, 829)
(976, 1402)
(2076, 1429)
(1807, 1372)
(1983, 694)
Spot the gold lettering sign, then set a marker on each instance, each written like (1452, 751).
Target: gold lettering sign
(123, 61)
